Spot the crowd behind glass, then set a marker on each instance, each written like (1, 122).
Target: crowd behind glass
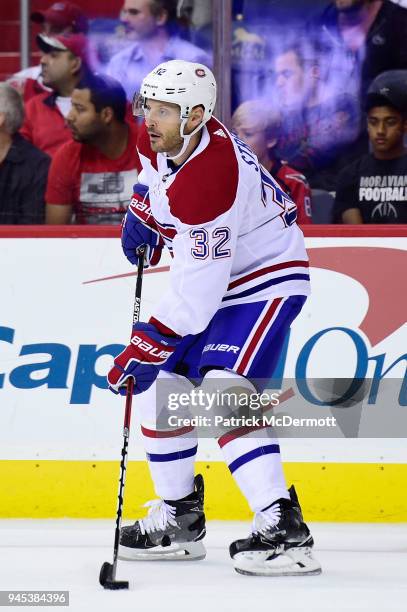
(319, 91)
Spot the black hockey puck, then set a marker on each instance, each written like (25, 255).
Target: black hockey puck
(107, 581)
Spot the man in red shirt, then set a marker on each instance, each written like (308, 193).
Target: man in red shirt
(59, 18)
(63, 64)
(258, 126)
(92, 177)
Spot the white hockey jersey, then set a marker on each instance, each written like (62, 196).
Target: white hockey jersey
(231, 230)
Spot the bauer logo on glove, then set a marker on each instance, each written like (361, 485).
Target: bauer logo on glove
(141, 359)
(139, 229)
(150, 349)
(141, 208)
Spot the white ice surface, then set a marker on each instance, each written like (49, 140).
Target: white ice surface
(364, 568)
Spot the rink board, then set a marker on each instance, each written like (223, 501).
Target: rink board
(355, 492)
(65, 309)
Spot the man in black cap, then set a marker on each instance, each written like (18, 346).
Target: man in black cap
(373, 189)
(59, 18)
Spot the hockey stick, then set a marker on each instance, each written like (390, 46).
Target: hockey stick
(107, 576)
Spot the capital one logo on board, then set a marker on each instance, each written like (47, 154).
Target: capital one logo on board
(381, 271)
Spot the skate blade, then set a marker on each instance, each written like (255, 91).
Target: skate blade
(184, 551)
(292, 562)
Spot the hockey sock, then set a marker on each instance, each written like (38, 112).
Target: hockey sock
(170, 450)
(253, 455)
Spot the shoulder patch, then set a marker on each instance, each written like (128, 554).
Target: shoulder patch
(206, 186)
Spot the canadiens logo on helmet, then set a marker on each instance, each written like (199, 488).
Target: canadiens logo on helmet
(200, 72)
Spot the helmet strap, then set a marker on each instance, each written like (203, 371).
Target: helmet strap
(185, 137)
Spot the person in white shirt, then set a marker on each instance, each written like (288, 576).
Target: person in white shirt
(151, 31)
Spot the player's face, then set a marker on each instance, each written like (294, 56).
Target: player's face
(138, 19)
(162, 120)
(57, 67)
(386, 128)
(289, 79)
(254, 135)
(83, 120)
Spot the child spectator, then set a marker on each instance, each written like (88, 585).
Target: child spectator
(373, 189)
(259, 127)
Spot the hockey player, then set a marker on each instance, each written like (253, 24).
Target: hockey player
(238, 278)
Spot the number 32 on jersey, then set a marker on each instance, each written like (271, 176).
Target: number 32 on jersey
(210, 244)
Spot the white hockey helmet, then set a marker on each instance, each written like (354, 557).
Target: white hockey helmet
(187, 84)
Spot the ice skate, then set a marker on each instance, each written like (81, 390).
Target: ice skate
(172, 530)
(280, 544)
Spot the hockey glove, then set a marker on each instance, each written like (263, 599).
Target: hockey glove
(139, 229)
(141, 359)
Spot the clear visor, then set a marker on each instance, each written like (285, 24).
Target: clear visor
(138, 105)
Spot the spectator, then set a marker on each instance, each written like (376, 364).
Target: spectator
(93, 175)
(259, 127)
(297, 77)
(63, 63)
(374, 188)
(150, 26)
(318, 124)
(23, 168)
(356, 40)
(59, 18)
(296, 86)
(362, 38)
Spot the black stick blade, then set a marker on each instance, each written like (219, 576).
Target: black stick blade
(106, 579)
